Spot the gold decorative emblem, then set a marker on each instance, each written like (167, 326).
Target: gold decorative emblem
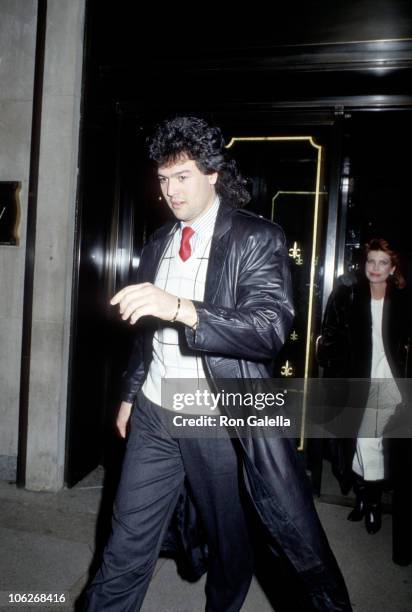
(294, 336)
(286, 370)
(296, 253)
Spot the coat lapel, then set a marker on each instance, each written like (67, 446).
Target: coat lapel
(392, 320)
(361, 330)
(159, 245)
(218, 252)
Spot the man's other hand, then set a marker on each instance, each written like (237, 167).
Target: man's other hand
(123, 417)
(144, 299)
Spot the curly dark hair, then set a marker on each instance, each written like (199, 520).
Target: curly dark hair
(196, 139)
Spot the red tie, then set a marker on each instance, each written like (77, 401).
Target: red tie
(185, 250)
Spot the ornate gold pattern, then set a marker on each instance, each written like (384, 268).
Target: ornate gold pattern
(286, 369)
(296, 253)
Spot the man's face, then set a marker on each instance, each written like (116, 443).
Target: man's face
(188, 192)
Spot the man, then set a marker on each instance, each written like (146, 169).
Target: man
(219, 275)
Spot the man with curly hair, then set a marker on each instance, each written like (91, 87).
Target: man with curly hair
(212, 301)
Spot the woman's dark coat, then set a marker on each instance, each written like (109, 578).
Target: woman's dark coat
(345, 352)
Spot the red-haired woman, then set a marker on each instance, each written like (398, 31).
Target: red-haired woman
(365, 336)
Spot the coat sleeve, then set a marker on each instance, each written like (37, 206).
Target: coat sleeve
(134, 375)
(333, 344)
(255, 329)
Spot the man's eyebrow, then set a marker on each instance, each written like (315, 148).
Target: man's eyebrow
(159, 174)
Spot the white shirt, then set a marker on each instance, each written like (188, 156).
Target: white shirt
(184, 279)
(380, 366)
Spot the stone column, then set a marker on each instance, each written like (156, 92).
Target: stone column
(17, 56)
(53, 270)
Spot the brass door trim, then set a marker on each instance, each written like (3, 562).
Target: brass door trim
(317, 193)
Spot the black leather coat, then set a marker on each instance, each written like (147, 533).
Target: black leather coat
(243, 320)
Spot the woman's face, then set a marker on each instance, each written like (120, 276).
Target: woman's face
(378, 266)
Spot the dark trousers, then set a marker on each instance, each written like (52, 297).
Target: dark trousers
(154, 468)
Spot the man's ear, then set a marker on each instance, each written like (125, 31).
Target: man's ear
(213, 178)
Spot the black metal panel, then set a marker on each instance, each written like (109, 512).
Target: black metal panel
(378, 147)
(87, 397)
(115, 215)
(340, 51)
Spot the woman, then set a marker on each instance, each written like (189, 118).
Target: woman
(365, 336)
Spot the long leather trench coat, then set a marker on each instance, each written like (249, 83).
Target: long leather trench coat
(242, 323)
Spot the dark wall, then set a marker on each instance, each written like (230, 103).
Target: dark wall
(182, 58)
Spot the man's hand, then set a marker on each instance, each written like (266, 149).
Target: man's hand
(123, 417)
(136, 301)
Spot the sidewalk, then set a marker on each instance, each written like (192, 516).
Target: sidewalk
(47, 543)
